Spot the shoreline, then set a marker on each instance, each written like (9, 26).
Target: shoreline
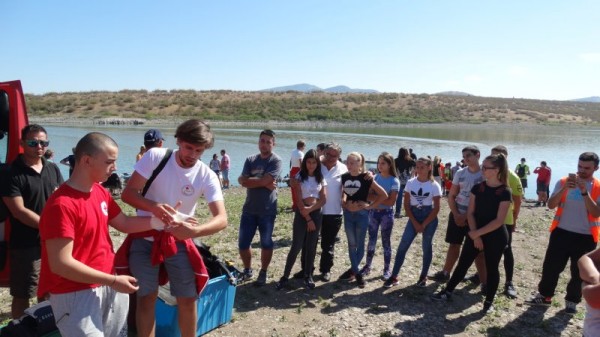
(304, 124)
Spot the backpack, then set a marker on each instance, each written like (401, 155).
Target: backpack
(521, 171)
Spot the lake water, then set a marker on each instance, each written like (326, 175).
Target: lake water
(560, 147)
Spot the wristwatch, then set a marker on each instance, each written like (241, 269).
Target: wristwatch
(584, 193)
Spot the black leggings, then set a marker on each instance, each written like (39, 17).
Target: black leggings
(509, 259)
(494, 244)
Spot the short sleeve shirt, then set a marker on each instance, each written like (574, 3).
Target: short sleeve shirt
(516, 189)
(422, 193)
(487, 202)
(34, 188)
(574, 217)
(465, 180)
(356, 188)
(389, 184)
(261, 200)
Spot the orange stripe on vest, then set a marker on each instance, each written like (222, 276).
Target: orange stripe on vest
(594, 222)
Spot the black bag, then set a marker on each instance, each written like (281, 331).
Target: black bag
(215, 266)
(37, 321)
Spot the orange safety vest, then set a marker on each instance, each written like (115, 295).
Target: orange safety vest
(594, 222)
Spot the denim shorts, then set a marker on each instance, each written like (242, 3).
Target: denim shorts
(249, 223)
(225, 174)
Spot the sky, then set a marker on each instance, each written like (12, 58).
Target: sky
(540, 49)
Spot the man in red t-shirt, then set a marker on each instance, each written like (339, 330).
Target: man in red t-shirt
(543, 182)
(77, 271)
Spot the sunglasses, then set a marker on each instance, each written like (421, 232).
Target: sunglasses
(35, 143)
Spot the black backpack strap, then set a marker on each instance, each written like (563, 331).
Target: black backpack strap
(157, 170)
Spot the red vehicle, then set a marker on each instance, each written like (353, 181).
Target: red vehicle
(13, 117)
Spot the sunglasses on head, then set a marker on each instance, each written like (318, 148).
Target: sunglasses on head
(35, 143)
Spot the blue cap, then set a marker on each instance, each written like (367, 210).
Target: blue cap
(153, 135)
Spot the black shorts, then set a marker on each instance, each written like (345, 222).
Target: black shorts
(24, 272)
(454, 234)
(542, 187)
(524, 183)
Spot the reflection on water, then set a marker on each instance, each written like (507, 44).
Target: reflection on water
(559, 146)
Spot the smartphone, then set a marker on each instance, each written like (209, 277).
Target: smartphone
(572, 176)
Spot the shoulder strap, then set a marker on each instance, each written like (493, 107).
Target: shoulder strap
(157, 170)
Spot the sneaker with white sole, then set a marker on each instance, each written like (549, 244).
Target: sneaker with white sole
(246, 275)
(442, 295)
(422, 283)
(392, 281)
(539, 299)
(386, 275)
(510, 291)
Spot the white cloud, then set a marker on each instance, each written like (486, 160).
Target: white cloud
(590, 57)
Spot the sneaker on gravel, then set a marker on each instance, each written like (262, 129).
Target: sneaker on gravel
(473, 279)
(510, 291)
(246, 275)
(299, 275)
(442, 295)
(282, 283)
(392, 281)
(309, 283)
(365, 271)
(570, 307)
(360, 281)
(261, 280)
(326, 277)
(440, 276)
(539, 299)
(422, 283)
(386, 275)
(348, 275)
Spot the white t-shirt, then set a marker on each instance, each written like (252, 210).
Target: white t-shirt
(297, 156)
(422, 193)
(465, 180)
(175, 183)
(333, 178)
(310, 187)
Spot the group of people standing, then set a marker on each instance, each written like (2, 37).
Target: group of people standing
(66, 224)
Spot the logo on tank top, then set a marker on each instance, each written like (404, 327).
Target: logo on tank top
(351, 187)
(104, 208)
(187, 190)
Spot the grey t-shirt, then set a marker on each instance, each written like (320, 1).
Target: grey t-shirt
(574, 217)
(465, 180)
(261, 200)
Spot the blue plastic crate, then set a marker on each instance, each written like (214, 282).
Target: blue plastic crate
(215, 307)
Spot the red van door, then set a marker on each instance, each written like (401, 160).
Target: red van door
(13, 118)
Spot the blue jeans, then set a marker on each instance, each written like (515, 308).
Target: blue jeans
(249, 223)
(356, 225)
(399, 200)
(409, 235)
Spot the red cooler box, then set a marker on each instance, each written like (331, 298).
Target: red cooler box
(215, 307)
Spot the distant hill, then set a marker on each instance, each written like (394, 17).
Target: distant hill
(304, 87)
(593, 99)
(453, 93)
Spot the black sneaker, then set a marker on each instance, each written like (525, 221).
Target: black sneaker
(392, 281)
(570, 307)
(326, 277)
(360, 281)
(440, 276)
(282, 283)
(299, 275)
(261, 280)
(309, 283)
(473, 279)
(510, 291)
(539, 299)
(348, 275)
(422, 283)
(441, 296)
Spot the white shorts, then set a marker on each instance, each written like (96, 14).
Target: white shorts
(97, 312)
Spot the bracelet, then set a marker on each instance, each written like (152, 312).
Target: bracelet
(114, 281)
